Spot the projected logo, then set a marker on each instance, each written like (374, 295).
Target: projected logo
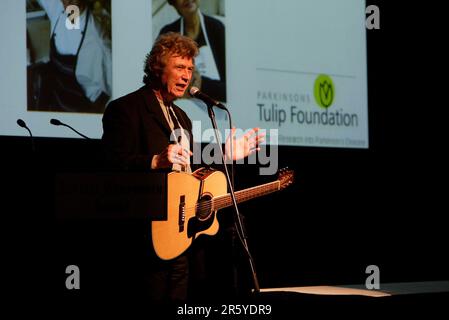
(324, 91)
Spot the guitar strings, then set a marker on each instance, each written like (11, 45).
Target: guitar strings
(223, 200)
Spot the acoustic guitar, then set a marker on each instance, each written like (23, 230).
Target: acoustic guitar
(192, 204)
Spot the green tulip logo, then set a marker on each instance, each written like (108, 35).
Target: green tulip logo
(324, 91)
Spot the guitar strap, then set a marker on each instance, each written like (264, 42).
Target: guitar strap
(200, 189)
(184, 139)
(174, 123)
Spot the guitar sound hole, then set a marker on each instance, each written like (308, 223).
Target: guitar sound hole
(204, 209)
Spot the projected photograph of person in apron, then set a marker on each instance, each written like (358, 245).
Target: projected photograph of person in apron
(204, 22)
(69, 55)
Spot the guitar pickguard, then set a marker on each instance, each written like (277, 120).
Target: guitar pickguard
(195, 225)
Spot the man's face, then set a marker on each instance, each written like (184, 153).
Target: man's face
(176, 76)
(186, 7)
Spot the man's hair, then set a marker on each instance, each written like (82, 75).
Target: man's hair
(167, 45)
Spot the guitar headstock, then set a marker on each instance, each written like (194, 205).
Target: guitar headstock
(286, 177)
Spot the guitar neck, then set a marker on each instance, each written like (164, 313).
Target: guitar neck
(245, 194)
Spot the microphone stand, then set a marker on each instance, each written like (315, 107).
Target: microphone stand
(56, 122)
(22, 124)
(239, 224)
(33, 147)
(76, 131)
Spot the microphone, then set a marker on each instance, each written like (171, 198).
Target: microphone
(56, 122)
(196, 93)
(22, 124)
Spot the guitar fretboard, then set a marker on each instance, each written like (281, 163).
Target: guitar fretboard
(245, 194)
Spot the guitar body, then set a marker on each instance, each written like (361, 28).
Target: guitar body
(185, 193)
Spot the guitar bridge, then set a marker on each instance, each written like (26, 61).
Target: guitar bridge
(182, 213)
